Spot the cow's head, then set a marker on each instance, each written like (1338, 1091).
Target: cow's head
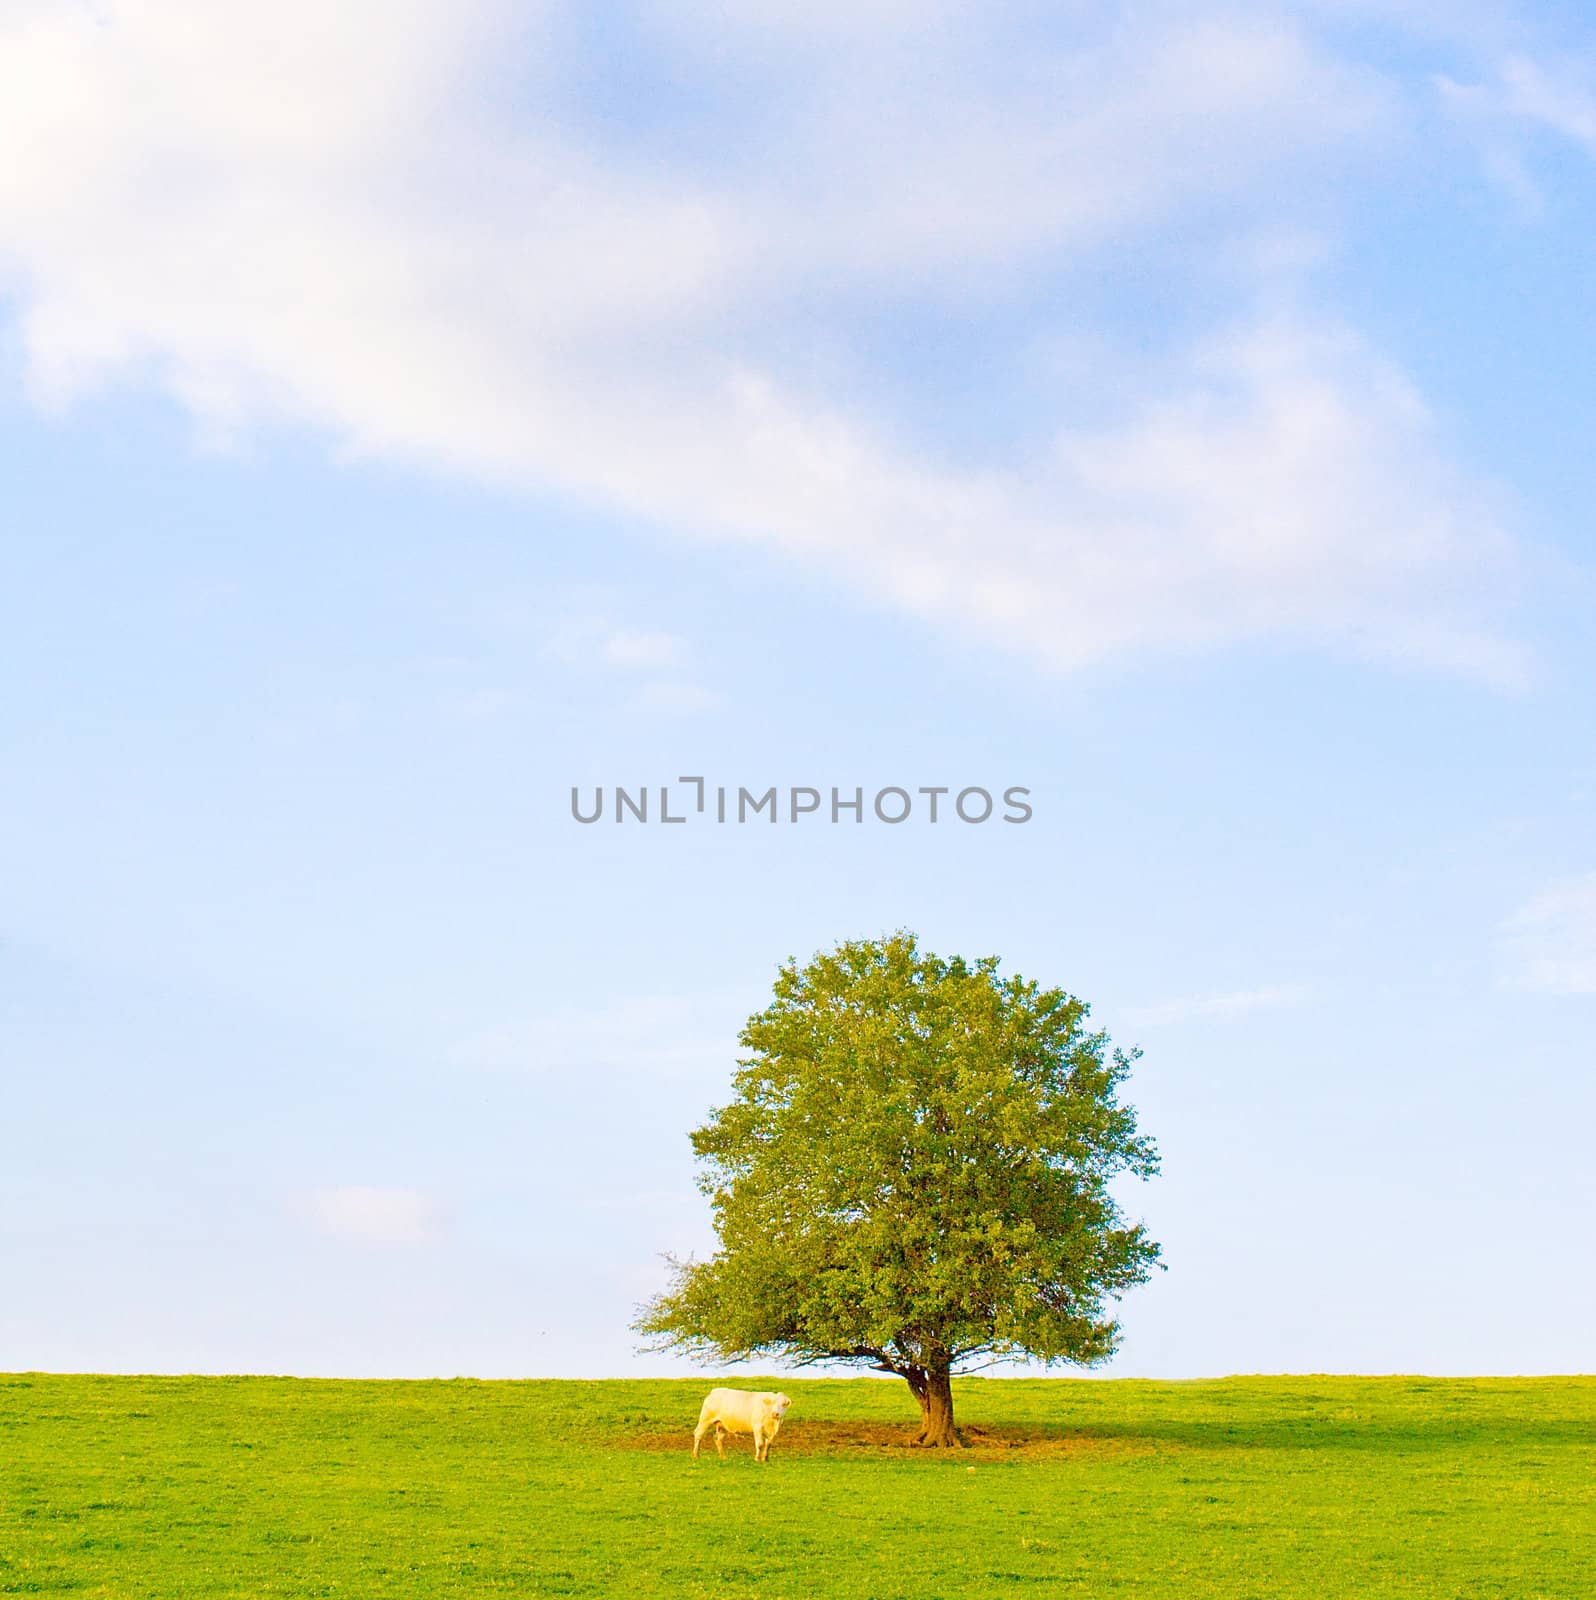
(779, 1405)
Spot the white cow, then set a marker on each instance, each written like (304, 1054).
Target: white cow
(741, 1411)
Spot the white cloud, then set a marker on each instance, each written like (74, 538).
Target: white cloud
(937, 151)
(1550, 944)
(376, 1216)
(1222, 1006)
(398, 225)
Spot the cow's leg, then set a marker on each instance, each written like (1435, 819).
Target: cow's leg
(720, 1441)
(698, 1434)
(759, 1443)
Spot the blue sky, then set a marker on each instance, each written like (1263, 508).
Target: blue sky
(410, 413)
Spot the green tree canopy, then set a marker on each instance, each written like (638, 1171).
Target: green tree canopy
(914, 1174)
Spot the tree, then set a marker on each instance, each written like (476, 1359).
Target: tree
(913, 1174)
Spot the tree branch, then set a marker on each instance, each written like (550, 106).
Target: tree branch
(860, 1352)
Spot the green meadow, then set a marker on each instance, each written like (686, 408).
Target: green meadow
(1313, 1486)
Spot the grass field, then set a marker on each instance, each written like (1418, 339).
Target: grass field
(157, 1487)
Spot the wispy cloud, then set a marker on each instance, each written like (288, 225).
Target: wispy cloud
(654, 664)
(652, 1034)
(679, 699)
(1513, 107)
(365, 1215)
(357, 231)
(628, 649)
(1560, 103)
(596, 641)
(1550, 943)
(1217, 1006)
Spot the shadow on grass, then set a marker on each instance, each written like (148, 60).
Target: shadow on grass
(816, 1437)
(1417, 1436)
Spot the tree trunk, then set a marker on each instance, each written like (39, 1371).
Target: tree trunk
(933, 1388)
